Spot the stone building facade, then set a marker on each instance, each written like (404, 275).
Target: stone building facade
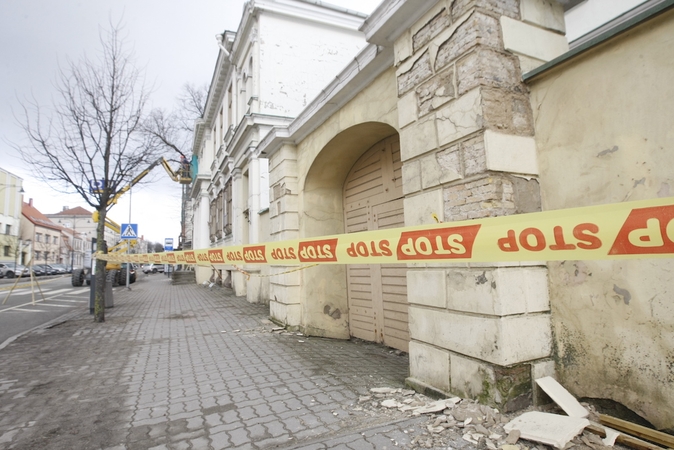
(466, 109)
(434, 121)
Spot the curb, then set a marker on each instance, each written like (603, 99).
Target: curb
(52, 323)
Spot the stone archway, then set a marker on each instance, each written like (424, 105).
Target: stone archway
(323, 290)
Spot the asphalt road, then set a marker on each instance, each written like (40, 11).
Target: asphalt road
(19, 313)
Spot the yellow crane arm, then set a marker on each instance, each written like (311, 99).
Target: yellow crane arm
(181, 176)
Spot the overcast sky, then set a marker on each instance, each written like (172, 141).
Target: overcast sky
(173, 41)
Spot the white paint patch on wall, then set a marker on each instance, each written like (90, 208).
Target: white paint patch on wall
(298, 59)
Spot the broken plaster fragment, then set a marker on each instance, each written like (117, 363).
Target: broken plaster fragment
(513, 437)
(383, 390)
(611, 436)
(546, 428)
(390, 403)
(562, 397)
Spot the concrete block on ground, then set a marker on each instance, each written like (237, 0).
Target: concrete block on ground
(550, 429)
(562, 397)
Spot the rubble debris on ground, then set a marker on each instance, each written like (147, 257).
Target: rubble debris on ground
(462, 424)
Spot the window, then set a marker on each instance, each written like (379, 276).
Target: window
(56, 240)
(229, 106)
(218, 213)
(37, 255)
(46, 239)
(227, 213)
(6, 250)
(8, 229)
(211, 221)
(38, 237)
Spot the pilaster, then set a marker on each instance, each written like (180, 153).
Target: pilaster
(468, 152)
(284, 290)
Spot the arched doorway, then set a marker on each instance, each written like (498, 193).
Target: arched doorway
(373, 200)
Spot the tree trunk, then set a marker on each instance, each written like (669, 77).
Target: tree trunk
(101, 279)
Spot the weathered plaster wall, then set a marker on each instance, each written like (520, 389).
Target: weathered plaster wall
(313, 203)
(604, 134)
(298, 58)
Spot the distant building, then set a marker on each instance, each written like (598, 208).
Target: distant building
(79, 219)
(44, 235)
(11, 191)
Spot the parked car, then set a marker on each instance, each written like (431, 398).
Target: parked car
(11, 270)
(153, 268)
(60, 268)
(44, 269)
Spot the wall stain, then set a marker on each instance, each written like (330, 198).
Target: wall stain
(624, 293)
(607, 151)
(481, 279)
(335, 314)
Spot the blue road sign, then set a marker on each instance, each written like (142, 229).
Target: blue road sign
(96, 186)
(129, 231)
(168, 244)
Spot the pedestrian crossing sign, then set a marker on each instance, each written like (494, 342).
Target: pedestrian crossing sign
(129, 231)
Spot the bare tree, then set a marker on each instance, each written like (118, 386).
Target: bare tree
(173, 132)
(90, 142)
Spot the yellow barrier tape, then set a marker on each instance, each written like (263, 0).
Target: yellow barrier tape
(641, 229)
(248, 274)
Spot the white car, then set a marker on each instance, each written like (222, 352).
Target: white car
(11, 270)
(153, 268)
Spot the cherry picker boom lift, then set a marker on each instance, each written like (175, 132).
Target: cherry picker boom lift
(115, 271)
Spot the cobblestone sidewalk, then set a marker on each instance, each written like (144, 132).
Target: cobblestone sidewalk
(184, 367)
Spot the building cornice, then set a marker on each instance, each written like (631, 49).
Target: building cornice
(391, 19)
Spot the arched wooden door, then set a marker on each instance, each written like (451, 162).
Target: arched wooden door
(377, 293)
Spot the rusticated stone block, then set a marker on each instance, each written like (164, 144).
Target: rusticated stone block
(459, 118)
(429, 365)
(421, 69)
(507, 111)
(479, 29)
(510, 8)
(492, 196)
(436, 92)
(431, 29)
(442, 167)
(486, 67)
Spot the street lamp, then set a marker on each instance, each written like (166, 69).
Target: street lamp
(5, 186)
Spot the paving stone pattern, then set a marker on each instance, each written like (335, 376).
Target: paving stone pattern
(185, 367)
